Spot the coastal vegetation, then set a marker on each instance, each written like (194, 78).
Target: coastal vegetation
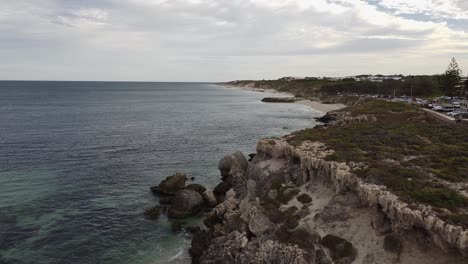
(403, 148)
(449, 83)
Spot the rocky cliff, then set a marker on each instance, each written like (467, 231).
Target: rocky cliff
(290, 205)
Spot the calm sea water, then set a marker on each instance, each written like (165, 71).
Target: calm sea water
(77, 160)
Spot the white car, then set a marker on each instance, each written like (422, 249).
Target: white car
(453, 113)
(456, 104)
(438, 108)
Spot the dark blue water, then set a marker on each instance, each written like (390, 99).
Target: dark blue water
(77, 159)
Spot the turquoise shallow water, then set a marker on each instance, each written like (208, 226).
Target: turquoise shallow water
(77, 159)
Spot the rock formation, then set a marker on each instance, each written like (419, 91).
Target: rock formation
(171, 184)
(185, 203)
(290, 205)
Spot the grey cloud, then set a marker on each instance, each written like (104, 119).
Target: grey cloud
(110, 39)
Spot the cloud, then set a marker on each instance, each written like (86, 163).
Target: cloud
(223, 40)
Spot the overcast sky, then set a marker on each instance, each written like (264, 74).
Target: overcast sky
(220, 40)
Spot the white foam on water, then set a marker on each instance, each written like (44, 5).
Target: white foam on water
(177, 256)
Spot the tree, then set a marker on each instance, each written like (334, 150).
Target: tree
(451, 78)
(466, 88)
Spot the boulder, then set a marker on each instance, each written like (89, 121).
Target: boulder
(233, 164)
(221, 189)
(304, 198)
(171, 184)
(196, 187)
(185, 203)
(210, 199)
(259, 223)
(153, 212)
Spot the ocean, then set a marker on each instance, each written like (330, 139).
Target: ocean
(77, 160)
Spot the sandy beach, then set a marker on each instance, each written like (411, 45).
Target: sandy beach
(320, 106)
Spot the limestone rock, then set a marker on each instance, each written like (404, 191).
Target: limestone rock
(259, 223)
(233, 164)
(196, 187)
(171, 184)
(381, 223)
(209, 198)
(224, 249)
(278, 253)
(185, 203)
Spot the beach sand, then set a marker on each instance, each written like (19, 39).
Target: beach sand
(320, 106)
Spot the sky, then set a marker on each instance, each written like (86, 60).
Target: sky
(222, 40)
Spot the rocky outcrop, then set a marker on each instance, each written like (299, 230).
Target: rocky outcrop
(290, 205)
(171, 184)
(196, 187)
(233, 168)
(185, 203)
(403, 216)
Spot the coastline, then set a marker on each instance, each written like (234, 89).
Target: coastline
(291, 199)
(316, 105)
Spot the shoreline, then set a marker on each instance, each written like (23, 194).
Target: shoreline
(318, 106)
(290, 198)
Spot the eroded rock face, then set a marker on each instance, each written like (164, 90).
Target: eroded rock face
(241, 229)
(278, 253)
(403, 217)
(233, 168)
(253, 225)
(225, 249)
(171, 184)
(185, 203)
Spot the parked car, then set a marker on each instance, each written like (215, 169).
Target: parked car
(454, 113)
(447, 109)
(437, 108)
(456, 104)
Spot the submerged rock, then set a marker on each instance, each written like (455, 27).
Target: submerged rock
(153, 213)
(171, 184)
(185, 203)
(176, 227)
